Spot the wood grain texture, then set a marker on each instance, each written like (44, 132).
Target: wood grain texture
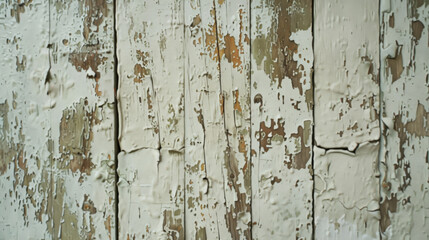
(61, 104)
(404, 84)
(80, 86)
(150, 48)
(25, 176)
(282, 104)
(346, 120)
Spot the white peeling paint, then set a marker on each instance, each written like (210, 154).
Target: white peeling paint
(346, 63)
(404, 83)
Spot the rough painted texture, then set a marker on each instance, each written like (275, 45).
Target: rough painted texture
(281, 88)
(405, 87)
(57, 143)
(25, 157)
(346, 193)
(346, 73)
(346, 120)
(217, 120)
(150, 48)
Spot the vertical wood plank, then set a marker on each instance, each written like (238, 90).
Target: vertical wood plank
(346, 73)
(233, 50)
(62, 109)
(151, 114)
(404, 83)
(217, 120)
(282, 103)
(81, 101)
(346, 119)
(24, 120)
(204, 126)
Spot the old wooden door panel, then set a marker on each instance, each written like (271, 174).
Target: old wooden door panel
(346, 119)
(404, 84)
(282, 61)
(150, 51)
(58, 121)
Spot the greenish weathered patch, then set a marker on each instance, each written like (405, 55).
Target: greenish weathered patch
(275, 49)
(76, 136)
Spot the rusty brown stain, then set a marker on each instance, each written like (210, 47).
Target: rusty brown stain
(88, 205)
(18, 8)
(395, 64)
(241, 205)
(221, 103)
(88, 57)
(95, 11)
(417, 29)
(172, 225)
(76, 136)
(276, 49)
(108, 226)
(266, 134)
(231, 51)
(392, 20)
(237, 105)
(300, 159)
(259, 99)
(9, 150)
(196, 21)
(275, 180)
(141, 70)
(388, 205)
(420, 126)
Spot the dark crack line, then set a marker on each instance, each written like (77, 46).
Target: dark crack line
(313, 138)
(116, 119)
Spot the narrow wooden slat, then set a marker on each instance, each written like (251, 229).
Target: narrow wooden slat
(25, 163)
(81, 101)
(346, 119)
(151, 114)
(282, 99)
(205, 135)
(217, 120)
(404, 84)
(233, 52)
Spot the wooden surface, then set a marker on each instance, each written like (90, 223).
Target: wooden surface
(217, 119)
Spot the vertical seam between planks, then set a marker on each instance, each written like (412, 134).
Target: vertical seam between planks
(380, 112)
(251, 133)
(313, 234)
(116, 120)
(184, 49)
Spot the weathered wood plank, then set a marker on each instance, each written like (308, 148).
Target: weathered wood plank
(282, 96)
(346, 73)
(346, 117)
(81, 101)
(346, 193)
(404, 84)
(205, 133)
(62, 109)
(150, 49)
(217, 120)
(25, 163)
(233, 52)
